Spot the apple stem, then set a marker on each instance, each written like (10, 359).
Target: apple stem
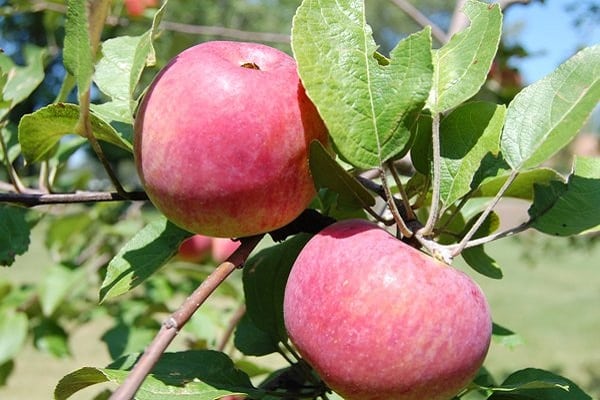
(410, 215)
(435, 201)
(179, 318)
(463, 243)
(499, 235)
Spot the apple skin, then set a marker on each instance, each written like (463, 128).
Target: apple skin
(221, 148)
(195, 249)
(379, 320)
(222, 248)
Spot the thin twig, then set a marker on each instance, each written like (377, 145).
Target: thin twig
(404, 230)
(179, 318)
(10, 169)
(403, 195)
(421, 19)
(495, 236)
(435, 200)
(33, 199)
(463, 243)
(233, 322)
(84, 102)
(219, 31)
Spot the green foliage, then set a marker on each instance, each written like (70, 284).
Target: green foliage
(146, 252)
(571, 208)
(545, 116)
(18, 82)
(14, 233)
(461, 66)
(265, 276)
(327, 173)
(378, 108)
(78, 56)
(367, 101)
(40, 132)
(204, 375)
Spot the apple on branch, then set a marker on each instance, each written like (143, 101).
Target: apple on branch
(380, 320)
(222, 137)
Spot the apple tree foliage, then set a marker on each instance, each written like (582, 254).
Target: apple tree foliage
(416, 103)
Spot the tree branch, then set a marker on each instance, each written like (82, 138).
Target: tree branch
(220, 31)
(179, 318)
(33, 199)
(233, 322)
(460, 21)
(421, 19)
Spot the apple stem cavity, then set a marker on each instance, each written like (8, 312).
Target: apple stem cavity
(250, 65)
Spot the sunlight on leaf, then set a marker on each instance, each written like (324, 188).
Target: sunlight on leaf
(365, 105)
(546, 115)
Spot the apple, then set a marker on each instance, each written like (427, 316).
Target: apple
(221, 140)
(222, 248)
(380, 320)
(195, 249)
(135, 8)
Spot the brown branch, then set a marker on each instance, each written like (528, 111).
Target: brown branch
(421, 19)
(233, 322)
(178, 319)
(225, 32)
(460, 21)
(219, 31)
(33, 199)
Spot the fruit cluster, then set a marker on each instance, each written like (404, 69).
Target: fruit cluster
(221, 146)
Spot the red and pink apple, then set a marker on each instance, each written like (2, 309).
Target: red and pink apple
(380, 320)
(198, 248)
(221, 140)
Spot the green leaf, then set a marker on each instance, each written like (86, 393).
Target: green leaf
(197, 375)
(40, 131)
(14, 233)
(13, 333)
(11, 139)
(50, 337)
(467, 134)
(58, 284)
(113, 73)
(365, 103)
(461, 65)
(571, 208)
(505, 336)
(546, 115)
(477, 258)
(143, 255)
(21, 81)
(421, 153)
(119, 69)
(521, 187)
(327, 173)
(126, 338)
(253, 341)
(537, 384)
(264, 279)
(6, 369)
(77, 53)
